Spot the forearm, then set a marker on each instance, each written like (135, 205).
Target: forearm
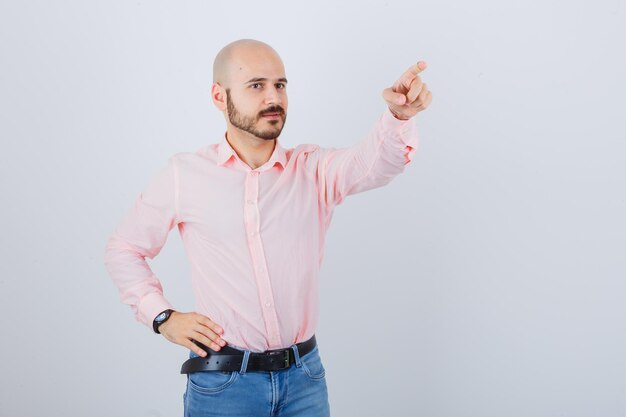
(372, 162)
(141, 234)
(137, 285)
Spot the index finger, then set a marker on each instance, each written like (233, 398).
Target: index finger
(409, 75)
(210, 324)
(418, 67)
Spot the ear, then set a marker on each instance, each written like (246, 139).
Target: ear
(218, 95)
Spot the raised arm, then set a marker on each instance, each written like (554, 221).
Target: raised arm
(385, 151)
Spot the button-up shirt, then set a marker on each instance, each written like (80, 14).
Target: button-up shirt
(254, 237)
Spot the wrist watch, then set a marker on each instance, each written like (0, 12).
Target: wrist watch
(160, 319)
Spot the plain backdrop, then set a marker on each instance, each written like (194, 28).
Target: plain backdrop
(486, 280)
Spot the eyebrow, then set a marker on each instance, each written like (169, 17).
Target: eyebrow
(256, 80)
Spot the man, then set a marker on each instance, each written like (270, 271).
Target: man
(252, 216)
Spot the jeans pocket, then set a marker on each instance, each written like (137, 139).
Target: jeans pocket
(210, 382)
(312, 364)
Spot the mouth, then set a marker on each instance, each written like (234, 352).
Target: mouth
(272, 115)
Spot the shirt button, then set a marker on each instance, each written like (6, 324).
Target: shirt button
(250, 202)
(267, 304)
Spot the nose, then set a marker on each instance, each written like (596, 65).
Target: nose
(273, 96)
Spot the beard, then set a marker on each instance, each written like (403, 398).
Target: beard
(250, 124)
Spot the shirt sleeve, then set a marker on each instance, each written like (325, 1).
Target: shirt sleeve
(371, 163)
(142, 233)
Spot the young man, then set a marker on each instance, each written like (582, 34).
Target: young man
(253, 216)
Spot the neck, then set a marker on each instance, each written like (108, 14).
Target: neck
(252, 150)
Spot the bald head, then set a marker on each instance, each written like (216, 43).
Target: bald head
(233, 56)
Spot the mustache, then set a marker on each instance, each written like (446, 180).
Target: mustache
(274, 109)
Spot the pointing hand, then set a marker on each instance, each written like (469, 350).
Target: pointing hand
(409, 94)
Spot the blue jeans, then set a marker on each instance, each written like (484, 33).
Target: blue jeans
(298, 391)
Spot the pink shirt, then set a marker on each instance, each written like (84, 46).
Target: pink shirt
(254, 237)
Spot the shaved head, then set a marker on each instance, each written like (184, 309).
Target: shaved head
(249, 88)
(230, 58)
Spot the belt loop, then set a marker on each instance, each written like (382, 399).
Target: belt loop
(244, 362)
(296, 355)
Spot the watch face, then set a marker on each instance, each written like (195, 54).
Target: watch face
(160, 317)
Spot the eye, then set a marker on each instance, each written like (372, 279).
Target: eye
(282, 85)
(252, 85)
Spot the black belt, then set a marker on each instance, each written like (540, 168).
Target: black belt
(230, 359)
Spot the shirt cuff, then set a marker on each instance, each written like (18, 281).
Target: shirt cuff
(404, 130)
(150, 306)
(390, 122)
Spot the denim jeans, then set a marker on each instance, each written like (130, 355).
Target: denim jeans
(298, 391)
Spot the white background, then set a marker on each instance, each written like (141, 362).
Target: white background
(486, 280)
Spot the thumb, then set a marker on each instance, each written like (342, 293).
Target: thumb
(392, 97)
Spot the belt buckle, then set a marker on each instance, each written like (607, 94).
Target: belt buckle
(285, 353)
(287, 358)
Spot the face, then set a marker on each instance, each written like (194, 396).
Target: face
(267, 124)
(257, 97)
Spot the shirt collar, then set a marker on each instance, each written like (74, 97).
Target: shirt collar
(225, 152)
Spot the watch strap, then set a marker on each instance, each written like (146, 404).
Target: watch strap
(157, 322)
